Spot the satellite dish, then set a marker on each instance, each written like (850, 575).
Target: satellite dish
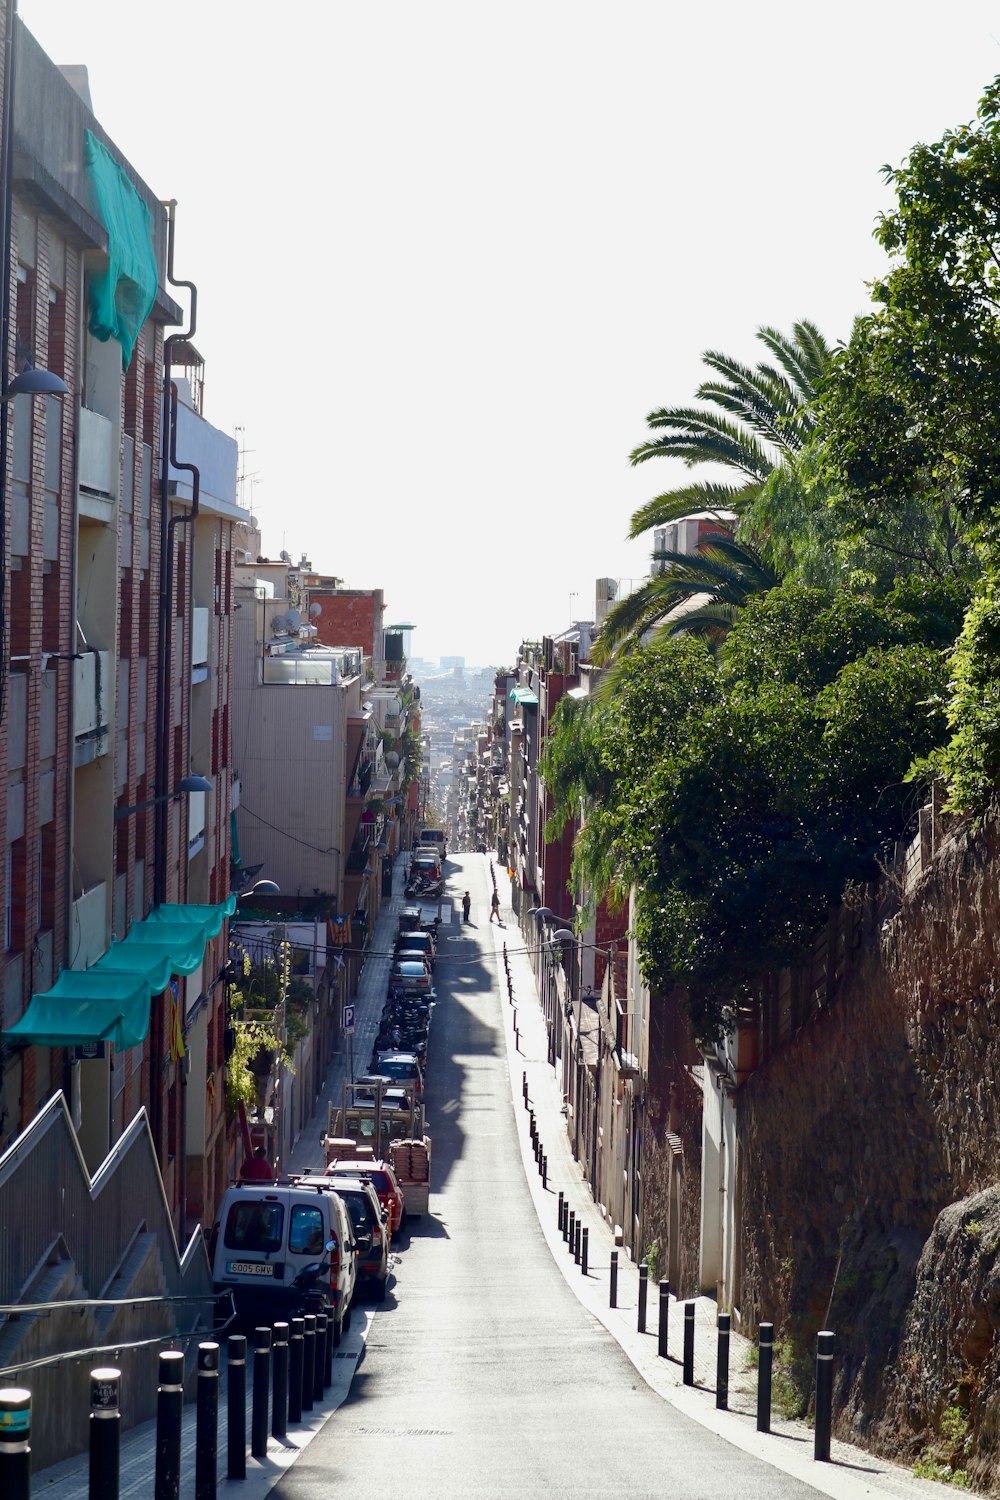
(315, 610)
(279, 624)
(293, 619)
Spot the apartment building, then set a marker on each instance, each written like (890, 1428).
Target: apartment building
(117, 597)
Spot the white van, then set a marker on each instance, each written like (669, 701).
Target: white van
(434, 838)
(263, 1244)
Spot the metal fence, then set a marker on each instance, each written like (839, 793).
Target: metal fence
(89, 1262)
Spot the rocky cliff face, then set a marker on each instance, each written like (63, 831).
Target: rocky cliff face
(861, 1142)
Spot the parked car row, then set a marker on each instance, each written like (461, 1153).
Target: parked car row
(308, 1244)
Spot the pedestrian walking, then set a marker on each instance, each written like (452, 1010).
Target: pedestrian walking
(466, 906)
(495, 908)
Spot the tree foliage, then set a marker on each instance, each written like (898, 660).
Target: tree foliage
(739, 798)
(911, 413)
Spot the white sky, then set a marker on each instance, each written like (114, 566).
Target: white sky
(450, 254)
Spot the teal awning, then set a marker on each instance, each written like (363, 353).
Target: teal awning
(523, 695)
(110, 1001)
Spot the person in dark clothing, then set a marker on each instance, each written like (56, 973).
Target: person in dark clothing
(495, 907)
(466, 906)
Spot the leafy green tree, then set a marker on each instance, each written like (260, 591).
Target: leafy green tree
(739, 798)
(969, 763)
(911, 413)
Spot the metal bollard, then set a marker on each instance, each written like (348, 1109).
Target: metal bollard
(584, 1252)
(308, 1362)
(169, 1411)
(824, 1396)
(524, 1086)
(571, 1229)
(560, 1210)
(206, 1443)
(261, 1383)
(577, 1241)
(722, 1363)
(295, 1357)
(614, 1279)
(328, 1353)
(689, 1343)
(236, 1407)
(15, 1443)
(279, 1382)
(661, 1346)
(322, 1333)
(643, 1294)
(105, 1433)
(765, 1336)
(545, 1173)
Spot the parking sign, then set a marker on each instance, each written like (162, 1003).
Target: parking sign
(348, 1020)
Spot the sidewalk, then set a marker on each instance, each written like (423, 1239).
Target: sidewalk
(70, 1480)
(852, 1472)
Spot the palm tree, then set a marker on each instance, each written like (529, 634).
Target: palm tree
(697, 594)
(757, 419)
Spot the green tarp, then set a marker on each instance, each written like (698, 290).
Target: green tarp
(121, 297)
(523, 695)
(110, 1001)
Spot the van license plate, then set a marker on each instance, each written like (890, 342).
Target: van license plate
(250, 1268)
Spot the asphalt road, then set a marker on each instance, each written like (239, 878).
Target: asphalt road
(483, 1375)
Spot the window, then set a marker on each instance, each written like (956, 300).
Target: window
(305, 1234)
(253, 1225)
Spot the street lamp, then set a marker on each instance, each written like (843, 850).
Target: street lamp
(184, 787)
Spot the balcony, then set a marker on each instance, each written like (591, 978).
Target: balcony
(199, 645)
(196, 822)
(98, 459)
(91, 686)
(88, 926)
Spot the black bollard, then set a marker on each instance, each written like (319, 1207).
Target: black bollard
(614, 1279)
(722, 1363)
(295, 1371)
(206, 1443)
(643, 1294)
(261, 1384)
(689, 1343)
(322, 1329)
(308, 1361)
(661, 1346)
(584, 1251)
(15, 1443)
(169, 1411)
(824, 1396)
(545, 1173)
(236, 1406)
(765, 1336)
(560, 1210)
(571, 1229)
(576, 1242)
(524, 1086)
(279, 1382)
(328, 1353)
(105, 1433)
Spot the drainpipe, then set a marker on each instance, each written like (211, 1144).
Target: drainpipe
(167, 524)
(164, 704)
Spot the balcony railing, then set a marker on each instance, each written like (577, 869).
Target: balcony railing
(91, 685)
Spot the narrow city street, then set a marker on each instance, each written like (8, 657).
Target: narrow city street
(482, 1373)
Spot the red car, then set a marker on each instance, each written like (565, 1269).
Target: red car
(383, 1180)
